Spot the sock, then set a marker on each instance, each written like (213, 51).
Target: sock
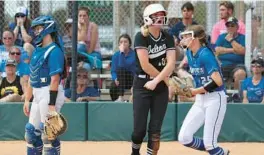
(197, 143)
(135, 148)
(149, 151)
(216, 151)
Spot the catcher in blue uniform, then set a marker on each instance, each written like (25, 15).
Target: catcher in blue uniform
(47, 68)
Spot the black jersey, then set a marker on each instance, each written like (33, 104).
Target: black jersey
(7, 88)
(156, 47)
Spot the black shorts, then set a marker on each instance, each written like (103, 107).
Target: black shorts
(229, 71)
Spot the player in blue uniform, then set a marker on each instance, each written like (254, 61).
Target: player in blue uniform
(46, 71)
(210, 97)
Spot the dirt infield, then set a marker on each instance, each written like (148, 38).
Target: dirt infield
(123, 148)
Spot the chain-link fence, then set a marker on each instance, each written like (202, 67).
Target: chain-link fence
(117, 17)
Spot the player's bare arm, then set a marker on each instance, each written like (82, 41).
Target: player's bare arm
(147, 67)
(24, 82)
(144, 62)
(28, 96)
(54, 84)
(168, 69)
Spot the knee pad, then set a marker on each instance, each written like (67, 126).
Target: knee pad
(137, 137)
(33, 138)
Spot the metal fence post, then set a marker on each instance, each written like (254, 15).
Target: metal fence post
(74, 51)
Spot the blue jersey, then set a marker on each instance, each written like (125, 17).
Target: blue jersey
(202, 65)
(45, 62)
(230, 58)
(255, 93)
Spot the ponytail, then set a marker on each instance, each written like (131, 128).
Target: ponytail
(144, 30)
(59, 42)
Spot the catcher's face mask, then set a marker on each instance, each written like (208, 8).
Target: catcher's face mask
(186, 39)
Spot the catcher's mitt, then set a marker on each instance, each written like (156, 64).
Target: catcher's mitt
(182, 86)
(54, 125)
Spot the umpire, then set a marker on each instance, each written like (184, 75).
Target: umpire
(155, 62)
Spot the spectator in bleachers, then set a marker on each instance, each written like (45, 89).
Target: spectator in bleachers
(11, 89)
(23, 34)
(22, 69)
(253, 87)
(187, 10)
(88, 40)
(230, 49)
(8, 39)
(84, 93)
(226, 10)
(67, 38)
(123, 68)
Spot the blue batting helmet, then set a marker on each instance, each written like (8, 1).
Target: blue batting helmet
(49, 26)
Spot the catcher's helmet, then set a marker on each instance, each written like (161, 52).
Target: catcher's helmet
(49, 26)
(152, 9)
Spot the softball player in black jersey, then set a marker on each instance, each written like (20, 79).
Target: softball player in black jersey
(155, 62)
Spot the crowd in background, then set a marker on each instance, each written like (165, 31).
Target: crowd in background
(227, 41)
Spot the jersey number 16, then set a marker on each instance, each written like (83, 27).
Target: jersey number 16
(163, 62)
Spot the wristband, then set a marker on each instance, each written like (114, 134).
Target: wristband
(210, 86)
(53, 97)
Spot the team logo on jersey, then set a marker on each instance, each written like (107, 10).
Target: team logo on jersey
(197, 71)
(9, 90)
(156, 51)
(257, 91)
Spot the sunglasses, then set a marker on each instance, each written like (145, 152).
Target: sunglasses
(20, 15)
(82, 76)
(7, 38)
(256, 65)
(15, 53)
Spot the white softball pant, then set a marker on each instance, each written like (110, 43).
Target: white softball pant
(209, 109)
(39, 107)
